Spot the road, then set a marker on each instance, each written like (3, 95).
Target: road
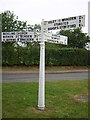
(29, 77)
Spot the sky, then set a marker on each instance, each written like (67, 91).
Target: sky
(33, 11)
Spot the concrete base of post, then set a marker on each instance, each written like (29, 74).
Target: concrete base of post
(41, 108)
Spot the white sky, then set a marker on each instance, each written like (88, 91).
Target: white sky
(33, 11)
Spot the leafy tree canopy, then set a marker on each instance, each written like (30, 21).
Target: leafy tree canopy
(76, 38)
(11, 23)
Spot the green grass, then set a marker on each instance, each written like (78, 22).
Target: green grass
(36, 68)
(20, 100)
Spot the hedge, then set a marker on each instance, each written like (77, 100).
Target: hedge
(67, 57)
(30, 56)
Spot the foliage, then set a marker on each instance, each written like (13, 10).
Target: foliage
(76, 38)
(11, 23)
(14, 54)
(9, 54)
(66, 57)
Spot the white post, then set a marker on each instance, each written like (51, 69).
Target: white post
(41, 96)
(89, 18)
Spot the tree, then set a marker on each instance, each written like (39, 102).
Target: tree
(76, 38)
(29, 27)
(8, 21)
(11, 23)
(37, 27)
(21, 26)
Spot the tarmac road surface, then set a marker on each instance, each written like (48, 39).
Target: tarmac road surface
(34, 76)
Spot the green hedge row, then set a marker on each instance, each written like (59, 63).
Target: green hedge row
(67, 57)
(20, 55)
(30, 56)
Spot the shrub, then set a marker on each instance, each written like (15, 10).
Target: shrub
(30, 56)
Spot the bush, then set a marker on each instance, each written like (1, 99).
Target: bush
(30, 56)
(67, 56)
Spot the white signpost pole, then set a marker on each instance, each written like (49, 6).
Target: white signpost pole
(41, 96)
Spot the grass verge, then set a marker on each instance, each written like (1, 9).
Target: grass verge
(36, 68)
(20, 100)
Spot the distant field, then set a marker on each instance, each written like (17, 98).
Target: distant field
(35, 68)
(20, 100)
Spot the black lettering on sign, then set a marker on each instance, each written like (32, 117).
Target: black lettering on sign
(49, 22)
(59, 20)
(30, 35)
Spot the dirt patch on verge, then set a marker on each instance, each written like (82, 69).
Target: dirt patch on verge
(36, 110)
(82, 97)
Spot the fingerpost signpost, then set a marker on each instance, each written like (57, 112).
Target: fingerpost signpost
(45, 36)
(66, 23)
